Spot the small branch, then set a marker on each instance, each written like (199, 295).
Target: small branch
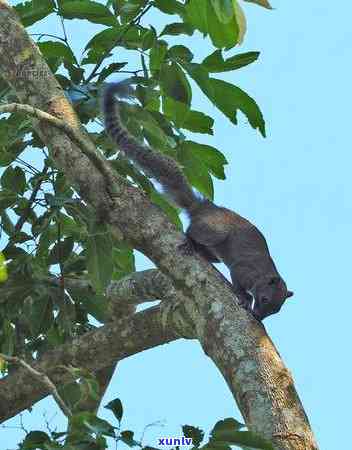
(140, 287)
(31, 168)
(42, 378)
(133, 289)
(47, 35)
(93, 351)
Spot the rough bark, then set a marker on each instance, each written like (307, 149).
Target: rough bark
(94, 351)
(239, 346)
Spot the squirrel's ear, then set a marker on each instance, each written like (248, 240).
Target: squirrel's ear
(289, 294)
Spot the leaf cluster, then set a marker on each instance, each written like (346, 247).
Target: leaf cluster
(87, 431)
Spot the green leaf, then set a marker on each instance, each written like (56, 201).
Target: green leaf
(241, 21)
(89, 10)
(180, 52)
(226, 433)
(18, 287)
(177, 28)
(76, 265)
(227, 425)
(13, 147)
(149, 39)
(99, 259)
(100, 426)
(40, 314)
(129, 9)
(7, 225)
(216, 18)
(195, 170)
(152, 129)
(53, 49)
(116, 407)
(7, 199)
(169, 6)
(196, 15)
(208, 156)
(263, 3)
(127, 438)
(33, 11)
(198, 122)
(71, 394)
(124, 261)
(170, 210)
(111, 68)
(157, 56)
(8, 338)
(242, 438)
(96, 306)
(229, 98)
(42, 223)
(106, 39)
(61, 251)
(34, 440)
(89, 387)
(183, 117)
(223, 10)
(66, 318)
(175, 84)
(125, 168)
(55, 336)
(222, 26)
(14, 179)
(195, 433)
(200, 75)
(216, 63)
(165, 125)
(132, 38)
(149, 98)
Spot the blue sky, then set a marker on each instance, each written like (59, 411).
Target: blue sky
(296, 186)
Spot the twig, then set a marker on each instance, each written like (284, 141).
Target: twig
(42, 378)
(47, 35)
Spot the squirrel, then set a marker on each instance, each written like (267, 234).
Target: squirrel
(216, 233)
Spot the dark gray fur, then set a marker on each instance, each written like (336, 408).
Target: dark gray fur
(217, 233)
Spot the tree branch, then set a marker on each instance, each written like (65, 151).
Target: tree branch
(94, 351)
(126, 293)
(47, 384)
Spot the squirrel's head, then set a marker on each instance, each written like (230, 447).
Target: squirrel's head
(270, 294)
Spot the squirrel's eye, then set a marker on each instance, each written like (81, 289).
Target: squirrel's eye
(273, 281)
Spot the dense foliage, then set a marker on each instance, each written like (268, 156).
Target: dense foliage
(89, 432)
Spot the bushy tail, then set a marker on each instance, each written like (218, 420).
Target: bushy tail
(156, 165)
